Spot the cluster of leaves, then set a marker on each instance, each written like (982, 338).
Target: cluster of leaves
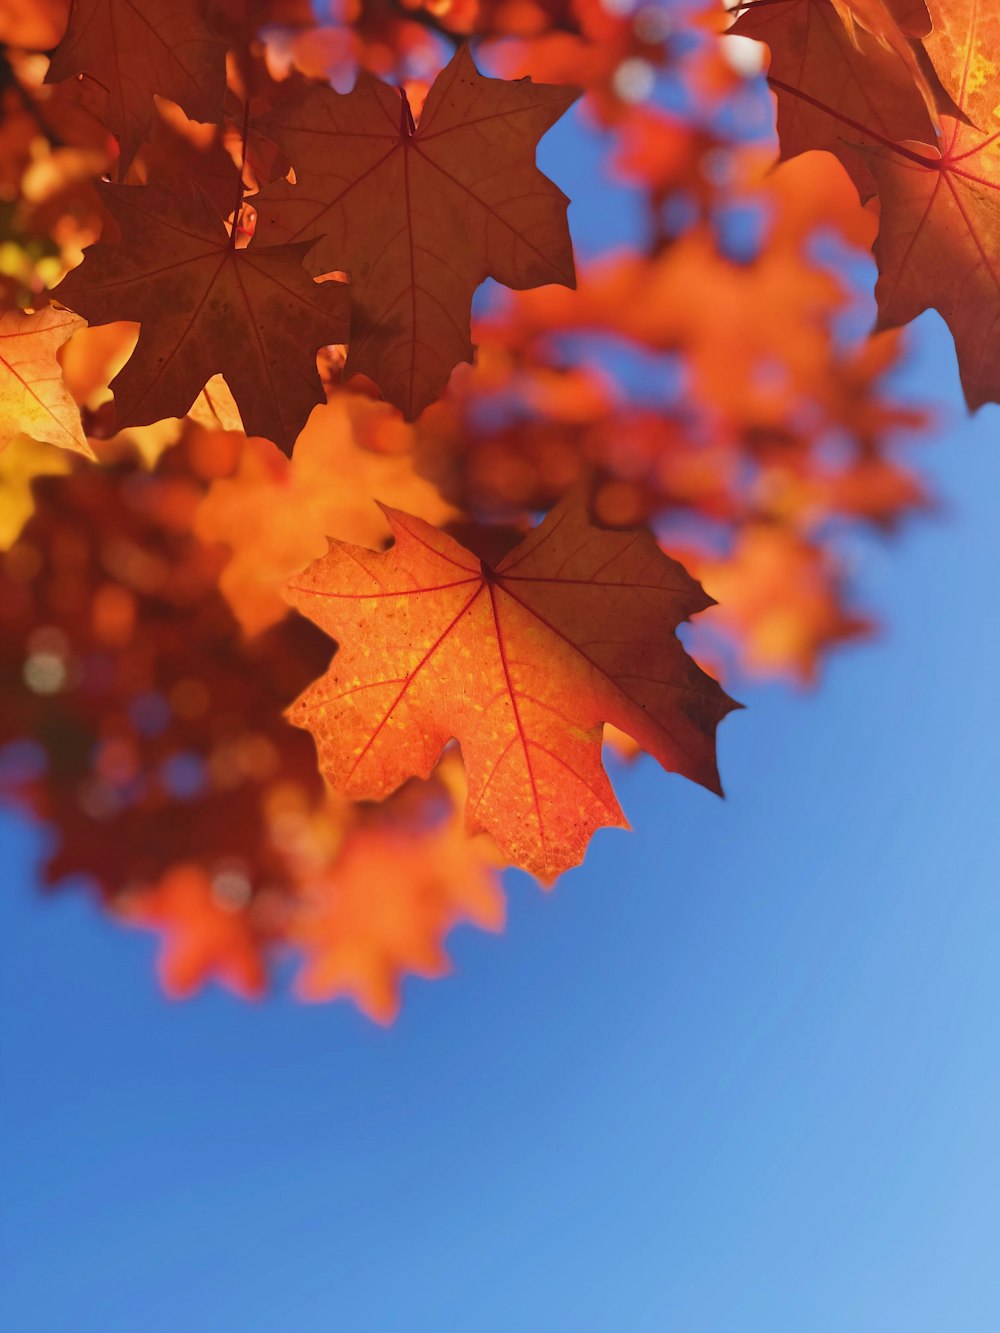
(242, 245)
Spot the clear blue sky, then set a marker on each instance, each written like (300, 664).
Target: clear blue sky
(739, 1073)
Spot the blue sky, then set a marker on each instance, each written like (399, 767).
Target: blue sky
(738, 1073)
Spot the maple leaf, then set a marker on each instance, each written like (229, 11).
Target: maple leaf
(383, 906)
(899, 26)
(21, 462)
(205, 307)
(420, 215)
(275, 515)
(135, 48)
(780, 599)
(837, 86)
(203, 936)
(180, 152)
(34, 401)
(938, 243)
(521, 664)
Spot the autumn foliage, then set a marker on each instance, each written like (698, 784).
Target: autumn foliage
(325, 572)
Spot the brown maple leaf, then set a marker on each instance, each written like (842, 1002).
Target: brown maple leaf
(34, 401)
(939, 237)
(205, 307)
(181, 152)
(136, 48)
(420, 215)
(898, 26)
(521, 663)
(837, 86)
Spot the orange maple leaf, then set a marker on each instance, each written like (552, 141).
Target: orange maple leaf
(275, 515)
(420, 215)
(34, 400)
(204, 936)
(383, 908)
(135, 48)
(521, 663)
(939, 241)
(780, 600)
(22, 462)
(206, 307)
